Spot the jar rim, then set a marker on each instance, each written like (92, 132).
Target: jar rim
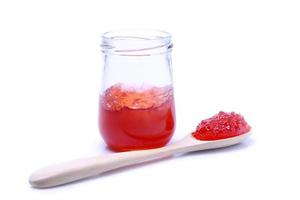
(136, 42)
(146, 34)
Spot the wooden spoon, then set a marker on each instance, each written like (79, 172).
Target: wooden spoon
(87, 167)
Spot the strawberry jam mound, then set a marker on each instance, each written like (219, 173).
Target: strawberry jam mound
(221, 126)
(120, 96)
(136, 118)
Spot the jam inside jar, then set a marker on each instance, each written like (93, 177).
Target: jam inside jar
(136, 107)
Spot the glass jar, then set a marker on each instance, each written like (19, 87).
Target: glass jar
(136, 109)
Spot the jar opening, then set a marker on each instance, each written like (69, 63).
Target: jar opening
(136, 42)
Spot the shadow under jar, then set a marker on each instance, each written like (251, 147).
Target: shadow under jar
(136, 109)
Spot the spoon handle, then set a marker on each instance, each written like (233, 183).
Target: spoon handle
(87, 167)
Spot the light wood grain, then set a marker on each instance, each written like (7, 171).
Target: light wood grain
(87, 167)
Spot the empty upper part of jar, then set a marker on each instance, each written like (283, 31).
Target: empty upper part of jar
(136, 59)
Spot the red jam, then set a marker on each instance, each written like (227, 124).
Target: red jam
(220, 126)
(134, 119)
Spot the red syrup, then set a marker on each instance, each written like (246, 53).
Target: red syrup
(135, 119)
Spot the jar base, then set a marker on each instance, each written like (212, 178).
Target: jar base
(124, 149)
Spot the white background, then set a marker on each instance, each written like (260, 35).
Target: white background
(228, 55)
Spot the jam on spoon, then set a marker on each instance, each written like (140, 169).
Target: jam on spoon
(221, 126)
